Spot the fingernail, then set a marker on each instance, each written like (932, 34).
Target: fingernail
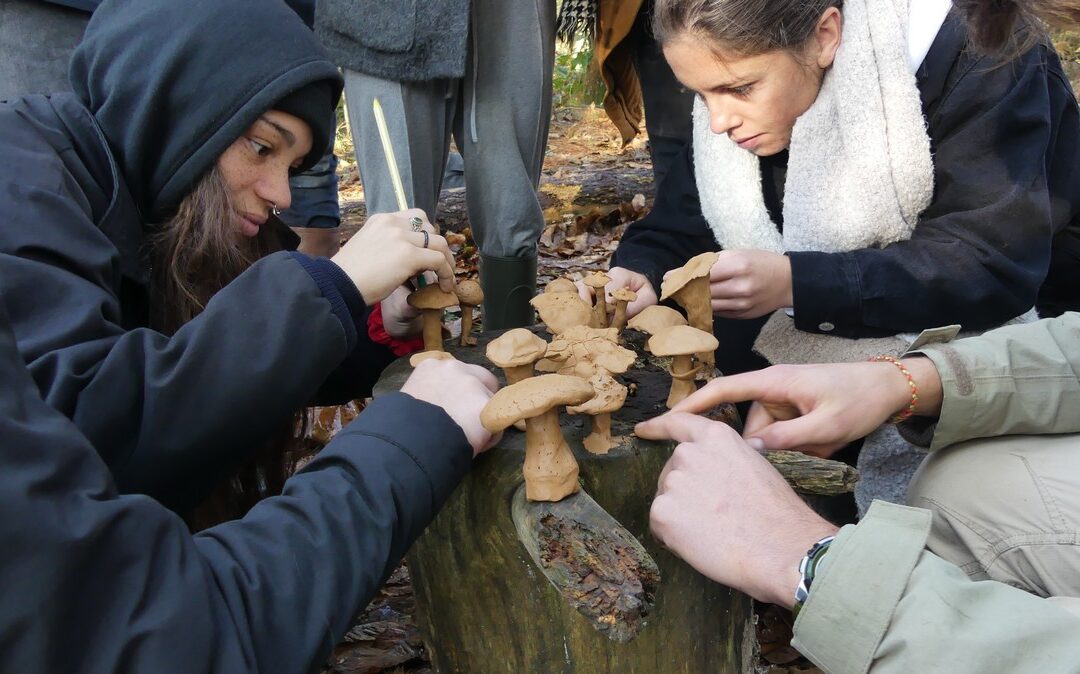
(757, 444)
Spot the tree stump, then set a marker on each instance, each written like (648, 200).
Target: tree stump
(506, 585)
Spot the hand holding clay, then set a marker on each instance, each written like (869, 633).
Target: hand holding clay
(817, 409)
(462, 390)
(399, 319)
(386, 252)
(750, 283)
(623, 278)
(727, 512)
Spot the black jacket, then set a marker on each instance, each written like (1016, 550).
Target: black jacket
(1006, 147)
(79, 176)
(97, 582)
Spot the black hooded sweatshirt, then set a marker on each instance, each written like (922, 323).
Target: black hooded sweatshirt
(161, 89)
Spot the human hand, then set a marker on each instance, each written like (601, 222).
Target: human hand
(461, 390)
(386, 252)
(400, 319)
(727, 512)
(624, 278)
(817, 409)
(750, 283)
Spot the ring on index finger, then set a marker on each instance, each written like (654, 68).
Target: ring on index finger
(427, 239)
(417, 225)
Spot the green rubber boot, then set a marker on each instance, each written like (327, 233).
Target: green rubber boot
(508, 283)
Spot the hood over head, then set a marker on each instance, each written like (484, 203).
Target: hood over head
(173, 83)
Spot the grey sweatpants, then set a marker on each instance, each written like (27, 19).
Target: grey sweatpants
(498, 113)
(36, 41)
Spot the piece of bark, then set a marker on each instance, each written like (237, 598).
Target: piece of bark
(811, 475)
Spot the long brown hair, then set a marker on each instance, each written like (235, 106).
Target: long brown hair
(1011, 26)
(743, 27)
(196, 253)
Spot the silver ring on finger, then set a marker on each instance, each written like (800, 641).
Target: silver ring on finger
(417, 225)
(427, 239)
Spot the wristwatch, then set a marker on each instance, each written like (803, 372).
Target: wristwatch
(807, 570)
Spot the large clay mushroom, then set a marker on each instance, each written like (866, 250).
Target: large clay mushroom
(622, 297)
(681, 342)
(653, 319)
(598, 280)
(610, 396)
(469, 297)
(515, 351)
(560, 311)
(560, 285)
(585, 351)
(550, 470)
(431, 300)
(689, 286)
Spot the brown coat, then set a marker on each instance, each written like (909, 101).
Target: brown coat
(613, 55)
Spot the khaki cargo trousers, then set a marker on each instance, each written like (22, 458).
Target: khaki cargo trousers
(1008, 509)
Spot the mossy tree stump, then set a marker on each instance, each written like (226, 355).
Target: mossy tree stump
(610, 598)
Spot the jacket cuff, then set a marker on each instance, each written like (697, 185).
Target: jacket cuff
(825, 290)
(338, 289)
(859, 584)
(422, 432)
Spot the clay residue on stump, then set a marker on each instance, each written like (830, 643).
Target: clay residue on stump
(610, 582)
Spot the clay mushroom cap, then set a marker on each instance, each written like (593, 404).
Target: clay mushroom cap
(624, 295)
(532, 397)
(579, 333)
(597, 279)
(698, 266)
(560, 285)
(432, 297)
(421, 356)
(560, 311)
(681, 340)
(469, 292)
(610, 396)
(515, 348)
(655, 318)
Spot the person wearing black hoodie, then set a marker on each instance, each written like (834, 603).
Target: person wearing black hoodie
(130, 286)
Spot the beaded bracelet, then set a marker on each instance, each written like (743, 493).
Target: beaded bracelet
(906, 413)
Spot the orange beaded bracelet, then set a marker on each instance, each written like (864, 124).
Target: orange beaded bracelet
(910, 409)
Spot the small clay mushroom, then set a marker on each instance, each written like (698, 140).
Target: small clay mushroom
(653, 319)
(689, 286)
(560, 311)
(421, 356)
(550, 470)
(469, 296)
(431, 301)
(622, 296)
(610, 396)
(515, 351)
(560, 285)
(681, 342)
(598, 280)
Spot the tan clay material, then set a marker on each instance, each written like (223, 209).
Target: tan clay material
(550, 470)
(622, 296)
(421, 356)
(469, 296)
(560, 285)
(560, 311)
(584, 352)
(431, 301)
(653, 319)
(515, 351)
(598, 280)
(609, 398)
(681, 342)
(689, 286)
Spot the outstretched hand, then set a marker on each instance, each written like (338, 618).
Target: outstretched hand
(817, 409)
(461, 390)
(727, 512)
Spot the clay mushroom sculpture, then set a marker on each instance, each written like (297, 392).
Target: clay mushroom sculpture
(622, 297)
(653, 319)
(469, 297)
(551, 471)
(598, 280)
(560, 285)
(585, 351)
(689, 286)
(431, 300)
(681, 342)
(560, 311)
(515, 351)
(610, 396)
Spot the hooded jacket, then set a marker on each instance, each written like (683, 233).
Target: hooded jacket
(161, 89)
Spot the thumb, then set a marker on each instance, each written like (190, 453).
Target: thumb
(680, 427)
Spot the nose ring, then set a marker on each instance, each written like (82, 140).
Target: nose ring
(275, 210)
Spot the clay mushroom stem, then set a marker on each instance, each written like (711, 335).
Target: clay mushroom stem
(681, 342)
(623, 296)
(550, 470)
(610, 396)
(598, 280)
(469, 296)
(431, 301)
